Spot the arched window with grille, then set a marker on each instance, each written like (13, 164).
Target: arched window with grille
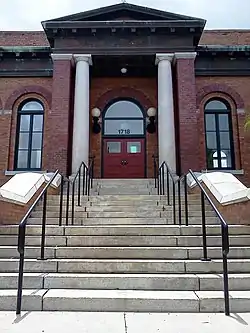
(29, 138)
(219, 135)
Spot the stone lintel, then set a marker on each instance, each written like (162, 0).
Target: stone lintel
(60, 56)
(185, 55)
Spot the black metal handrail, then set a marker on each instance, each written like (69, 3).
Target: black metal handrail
(159, 175)
(164, 189)
(84, 176)
(224, 235)
(22, 233)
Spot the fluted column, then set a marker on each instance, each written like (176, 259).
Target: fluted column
(80, 151)
(166, 123)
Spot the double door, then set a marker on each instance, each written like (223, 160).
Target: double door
(124, 158)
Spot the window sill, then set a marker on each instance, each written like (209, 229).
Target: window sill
(16, 172)
(234, 172)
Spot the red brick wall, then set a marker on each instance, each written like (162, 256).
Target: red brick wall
(236, 92)
(103, 90)
(57, 144)
(12, 92)
(186, 105)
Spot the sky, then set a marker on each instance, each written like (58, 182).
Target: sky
(28, 14)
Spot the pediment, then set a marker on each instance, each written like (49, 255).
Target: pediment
(124, 11)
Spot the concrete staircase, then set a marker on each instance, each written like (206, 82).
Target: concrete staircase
(124, 254)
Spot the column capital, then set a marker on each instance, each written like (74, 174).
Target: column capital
(185, 55)
(83, 57)
(163, 56)
(62, 56)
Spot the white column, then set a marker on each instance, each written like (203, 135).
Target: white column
(166, 123)
(80, 151)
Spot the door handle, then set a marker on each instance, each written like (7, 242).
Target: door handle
(125, 162)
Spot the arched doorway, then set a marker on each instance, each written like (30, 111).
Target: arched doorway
(123, 140)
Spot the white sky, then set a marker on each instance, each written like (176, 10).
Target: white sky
(27, 14)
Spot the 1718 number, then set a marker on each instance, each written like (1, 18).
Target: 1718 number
(124, 131)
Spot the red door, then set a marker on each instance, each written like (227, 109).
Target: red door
(124, 158)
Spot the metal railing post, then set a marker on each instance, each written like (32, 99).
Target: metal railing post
(160, 174)
(92, 173)
(158, 183)
(79, 188)
(186, 199)
(43, 225)
(73, 203)
(225, 250)
(155, 172)
(174, 207)
(89, 181)
(179, 201)
(168, 189)
(204, 230)
(67, 204)
(61, 201)
(163, 179)
(21, 244)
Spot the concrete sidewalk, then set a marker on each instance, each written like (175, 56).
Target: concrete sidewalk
(77, 322)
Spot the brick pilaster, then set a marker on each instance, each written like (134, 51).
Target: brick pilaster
(58, 137)
(187, 112)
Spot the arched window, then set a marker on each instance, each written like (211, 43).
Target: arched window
(124, 118)
(29, 140)
(219, 137)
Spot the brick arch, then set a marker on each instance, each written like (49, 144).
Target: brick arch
(28, 90)
(124, 92)
(220, 88)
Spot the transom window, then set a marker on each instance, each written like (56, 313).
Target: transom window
(30, 120)
(124, 118)
(219, 138)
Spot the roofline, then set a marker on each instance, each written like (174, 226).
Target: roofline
(112, 8)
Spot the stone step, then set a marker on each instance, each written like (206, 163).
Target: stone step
(147, 230)
(167, 210)
(32, 299)
(150, 201)
(106, 208)
(143, 301)
(131, 252)
(128, 198)
(151, 252)
(115, 266)
(124, 230)
(32, 230)
(114, 240)
(189, 282)
(122, 205)
(30, 252)
(39, 213)
(123, 181)
(122, 221)
(124, 300)
(34, 240)
(120, 191)
(30, 280)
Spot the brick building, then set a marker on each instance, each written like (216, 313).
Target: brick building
(122, 83)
